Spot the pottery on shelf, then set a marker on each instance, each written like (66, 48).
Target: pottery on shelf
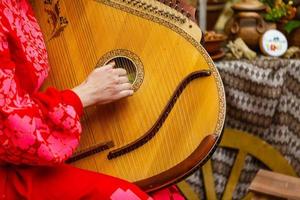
(213, 44)
(248, 22)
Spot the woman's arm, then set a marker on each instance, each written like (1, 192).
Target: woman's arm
(37, 129)
(44, 128)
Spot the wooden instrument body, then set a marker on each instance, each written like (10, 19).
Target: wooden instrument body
(168, 52)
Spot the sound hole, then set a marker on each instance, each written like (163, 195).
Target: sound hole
(128, 65)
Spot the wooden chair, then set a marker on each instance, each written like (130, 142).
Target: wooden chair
(245, 144)
(268, 185)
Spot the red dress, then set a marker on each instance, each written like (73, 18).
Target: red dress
(40, 130)
(36, 128)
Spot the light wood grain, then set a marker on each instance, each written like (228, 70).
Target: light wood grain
(95, 29)
(276, 185)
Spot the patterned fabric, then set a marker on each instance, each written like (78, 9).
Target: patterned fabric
(263, 98)
(35, 128)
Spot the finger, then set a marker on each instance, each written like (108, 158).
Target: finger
(120, 71)
(110, 65)
(104, 68)
(123, 79)
(124, 93)
(124, 86)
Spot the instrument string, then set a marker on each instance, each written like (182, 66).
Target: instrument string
(170, 137)
(118, 134)
(83, 36)
(187, 111)
(127, 133)
(158, 93)
(184, 97)
(138, 30)
(151, 93)
(191, 97)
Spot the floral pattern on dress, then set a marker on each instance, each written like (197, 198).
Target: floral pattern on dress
(28, 32)
(33, 130)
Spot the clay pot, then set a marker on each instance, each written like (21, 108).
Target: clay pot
(248, 23)
(214, 45)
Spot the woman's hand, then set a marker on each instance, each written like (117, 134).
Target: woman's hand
(103, 85)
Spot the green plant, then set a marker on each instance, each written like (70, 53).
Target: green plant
(275, 14)
(291, 25)
(280, 11)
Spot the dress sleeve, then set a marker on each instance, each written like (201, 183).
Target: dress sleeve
(35, 129)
